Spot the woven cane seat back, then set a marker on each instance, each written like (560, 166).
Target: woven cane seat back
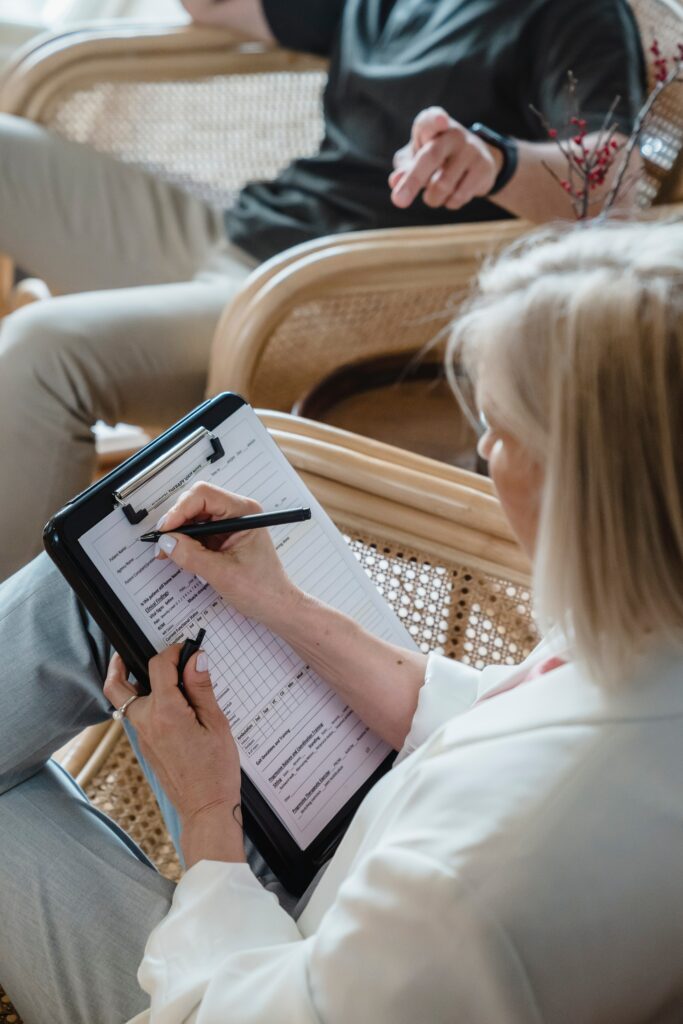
(209, 136)
(662, 138)
(341, 326)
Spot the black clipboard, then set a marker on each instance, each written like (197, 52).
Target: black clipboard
(295, 868)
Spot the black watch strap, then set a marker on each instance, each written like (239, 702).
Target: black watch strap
(507, 146)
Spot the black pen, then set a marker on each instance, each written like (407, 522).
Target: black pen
(253, 522)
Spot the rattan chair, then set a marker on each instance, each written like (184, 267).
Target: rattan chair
(199, 107)
(433, 539)
(209, 111)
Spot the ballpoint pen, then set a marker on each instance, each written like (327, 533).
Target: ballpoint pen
(236, 525)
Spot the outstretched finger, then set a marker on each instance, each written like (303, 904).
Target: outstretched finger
(396, 177)
(427, 125)
(444, 183)
(429, 159)
(464, 193)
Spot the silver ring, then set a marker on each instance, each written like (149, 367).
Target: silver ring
(121, 712)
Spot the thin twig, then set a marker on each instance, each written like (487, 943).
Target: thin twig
(608, 128)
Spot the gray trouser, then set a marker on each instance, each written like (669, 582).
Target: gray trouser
(78, 899)
(143, 272)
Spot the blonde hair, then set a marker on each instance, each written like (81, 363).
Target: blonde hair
(580, 335)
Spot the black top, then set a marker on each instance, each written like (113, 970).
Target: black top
(483, 60)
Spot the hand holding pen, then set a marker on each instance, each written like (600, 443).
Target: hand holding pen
(238, 524)
(241, 565)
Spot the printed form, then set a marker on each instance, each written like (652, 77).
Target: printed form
(303, 748)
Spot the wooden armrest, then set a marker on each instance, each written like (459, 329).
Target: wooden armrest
(385, 491)
(65, 61)
(346, 265)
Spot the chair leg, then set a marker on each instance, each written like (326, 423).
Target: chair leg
(6, 284)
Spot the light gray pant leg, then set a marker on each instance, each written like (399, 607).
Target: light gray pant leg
(84, 221)
(54, 659)
(77, 898)
(137, 355)
(77, 904)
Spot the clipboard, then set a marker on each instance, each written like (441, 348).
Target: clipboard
(123, 491)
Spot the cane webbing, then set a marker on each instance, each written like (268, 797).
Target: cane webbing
(208, 136)
(662, 138)
(340, 327)
(8, 1015)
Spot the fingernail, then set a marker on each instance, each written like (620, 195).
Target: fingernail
(201, 579)
(167, 544)
(202, 662)
(161, 522)
(157, 550)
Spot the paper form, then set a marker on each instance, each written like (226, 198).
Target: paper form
(303, 748)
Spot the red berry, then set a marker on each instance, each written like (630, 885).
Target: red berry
(552, 132)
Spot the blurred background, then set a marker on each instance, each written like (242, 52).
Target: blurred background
(20, 20)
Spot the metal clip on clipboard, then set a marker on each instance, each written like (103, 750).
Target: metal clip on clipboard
(123, 495)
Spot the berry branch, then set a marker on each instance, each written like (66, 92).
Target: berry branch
(590, 167)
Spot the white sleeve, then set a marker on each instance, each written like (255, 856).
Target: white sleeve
(402, 942)
(449, 689)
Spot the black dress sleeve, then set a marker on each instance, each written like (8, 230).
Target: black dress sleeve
(597, 40)
(307, 25)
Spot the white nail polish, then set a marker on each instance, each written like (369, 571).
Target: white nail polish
(161, 522)
(202, 662)
(201, 579)
(167, 544)
(157, 550)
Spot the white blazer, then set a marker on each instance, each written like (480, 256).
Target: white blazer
(522, 862)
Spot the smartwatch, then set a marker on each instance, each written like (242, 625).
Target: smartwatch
(507, 146)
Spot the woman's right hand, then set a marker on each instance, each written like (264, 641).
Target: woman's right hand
(244, 568)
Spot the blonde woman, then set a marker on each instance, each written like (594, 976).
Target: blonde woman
(522, 861)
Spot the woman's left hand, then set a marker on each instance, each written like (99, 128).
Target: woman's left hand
(188, 744)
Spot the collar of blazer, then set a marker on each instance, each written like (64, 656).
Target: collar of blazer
(566, 697)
